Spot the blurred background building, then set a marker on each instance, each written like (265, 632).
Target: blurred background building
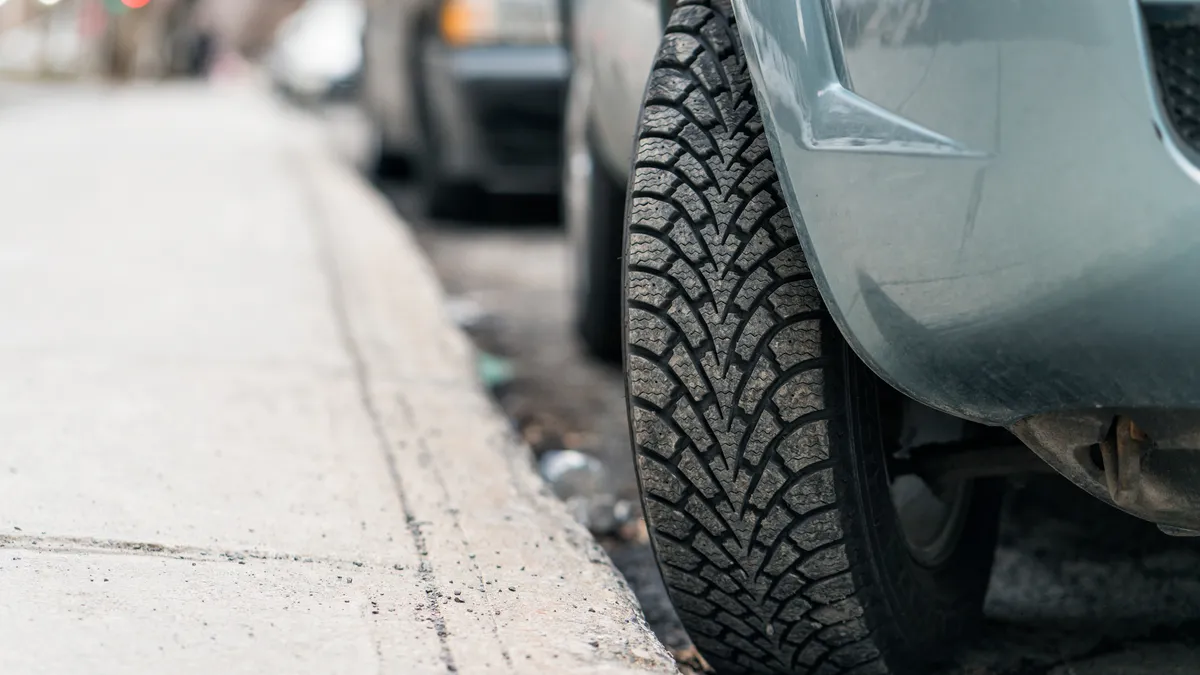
(133, 38)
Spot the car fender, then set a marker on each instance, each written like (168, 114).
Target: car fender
(994, 208)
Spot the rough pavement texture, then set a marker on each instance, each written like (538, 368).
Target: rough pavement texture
(559, 397)
(240, 435)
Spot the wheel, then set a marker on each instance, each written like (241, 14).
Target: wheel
(594, 206)
(389, 163)
(444, 197)
(598, 237)
(786, 537)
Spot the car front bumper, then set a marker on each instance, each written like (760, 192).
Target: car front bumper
(995, 204)
(498, 114)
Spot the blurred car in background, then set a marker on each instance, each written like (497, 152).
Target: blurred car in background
(612, 45)
(318, 51)
(469, 92)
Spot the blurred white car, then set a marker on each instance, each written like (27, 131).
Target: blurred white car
(318, 53)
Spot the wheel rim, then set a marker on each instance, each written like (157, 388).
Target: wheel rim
(931, 519)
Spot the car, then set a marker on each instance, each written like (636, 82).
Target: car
(878, 256)
(470, 93)
(317, 55)
(611, 46)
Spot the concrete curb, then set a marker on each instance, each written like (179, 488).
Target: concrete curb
(241, 435)
(483, 522)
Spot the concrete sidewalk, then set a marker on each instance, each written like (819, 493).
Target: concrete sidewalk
(239, 434)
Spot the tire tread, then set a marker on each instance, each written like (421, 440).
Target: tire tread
(726, 376)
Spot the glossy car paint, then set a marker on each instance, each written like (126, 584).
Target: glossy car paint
(993, 205)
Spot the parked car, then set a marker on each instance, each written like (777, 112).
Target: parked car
(470, 92)
(875, 253)
(612, 45)
(317, 53)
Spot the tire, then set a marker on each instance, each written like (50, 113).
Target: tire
(759, 437)
(595, 207)
(389, 164)
(594, 213)
(444, 197)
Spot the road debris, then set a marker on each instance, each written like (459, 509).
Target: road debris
(584, 484)
(494, 371)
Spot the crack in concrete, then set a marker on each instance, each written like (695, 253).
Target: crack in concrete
(487, 598)
(96, 546)
(321, 224)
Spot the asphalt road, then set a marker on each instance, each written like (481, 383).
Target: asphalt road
(1078, 588)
